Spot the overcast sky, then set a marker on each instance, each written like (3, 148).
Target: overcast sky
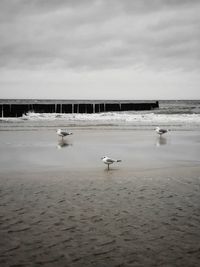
(92, 49)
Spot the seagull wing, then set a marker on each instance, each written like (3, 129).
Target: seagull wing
(109, 160)
(162, 131)
(64, 133)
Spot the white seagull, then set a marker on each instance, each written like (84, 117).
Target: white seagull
(62, 133)
(161, 131)
(109, 161)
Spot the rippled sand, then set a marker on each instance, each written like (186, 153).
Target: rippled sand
(61, 207)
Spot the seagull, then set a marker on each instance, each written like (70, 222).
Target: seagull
(109, 161)
(161, 131)
(62, 133)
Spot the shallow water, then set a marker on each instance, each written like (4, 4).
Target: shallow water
(43, 150)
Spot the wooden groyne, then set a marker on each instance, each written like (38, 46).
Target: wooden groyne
(18, 107)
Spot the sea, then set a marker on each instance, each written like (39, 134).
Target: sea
(171, 114)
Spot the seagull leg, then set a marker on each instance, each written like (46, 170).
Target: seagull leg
(108, 166)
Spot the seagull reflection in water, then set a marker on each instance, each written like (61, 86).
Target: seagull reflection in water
(161, 141)
(62, 144)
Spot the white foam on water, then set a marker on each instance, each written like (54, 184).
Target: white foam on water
(117, 117)
(135, 119)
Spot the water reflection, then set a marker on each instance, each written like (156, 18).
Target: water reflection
(111, 170)
(161, 141)
(63, 143)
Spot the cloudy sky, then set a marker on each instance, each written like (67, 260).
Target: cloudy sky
(100, 49)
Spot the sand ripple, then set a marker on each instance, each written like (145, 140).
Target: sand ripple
(104, 222)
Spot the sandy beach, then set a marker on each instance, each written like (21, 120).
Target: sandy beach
(60, 206)
(110, 72)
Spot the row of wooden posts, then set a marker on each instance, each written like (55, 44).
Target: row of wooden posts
(17, 110)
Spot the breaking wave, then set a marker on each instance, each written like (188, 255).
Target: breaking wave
(124, 119)
(118, 117)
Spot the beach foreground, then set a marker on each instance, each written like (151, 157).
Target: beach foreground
(60, 206)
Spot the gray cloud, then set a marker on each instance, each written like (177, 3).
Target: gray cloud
(92, 34)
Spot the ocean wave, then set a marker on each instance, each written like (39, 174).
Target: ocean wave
(137, 120)
(116, 117)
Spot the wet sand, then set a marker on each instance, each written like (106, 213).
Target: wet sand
(59, 206)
